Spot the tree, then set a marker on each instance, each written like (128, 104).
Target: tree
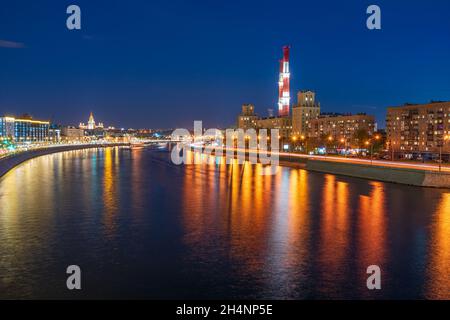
(360, 137)
(6, 142)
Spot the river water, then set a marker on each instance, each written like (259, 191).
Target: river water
(141, 227)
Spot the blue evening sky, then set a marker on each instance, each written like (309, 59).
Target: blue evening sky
(167, 63)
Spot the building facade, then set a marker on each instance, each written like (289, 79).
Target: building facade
(70, 133)
(419, 129)
(247, 119)
(24, 129)
(283, 124)
(305, 110)
(339, 126)
(91, 125)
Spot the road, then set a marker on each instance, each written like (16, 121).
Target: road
(380, 163)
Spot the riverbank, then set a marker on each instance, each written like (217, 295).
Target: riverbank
(8, 163)
(393, 173)
(421, 178)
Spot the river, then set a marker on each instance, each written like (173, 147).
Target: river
(141, 227)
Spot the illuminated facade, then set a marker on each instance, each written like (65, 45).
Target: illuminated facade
(247, 119)
(283, 85)
(91, 125)
(419, 128)
(70, 133)
(305, 110)
(283, 124)
(24, 129)
(340, 126)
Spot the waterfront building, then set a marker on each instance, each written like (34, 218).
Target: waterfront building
(305, 110)
(91, 125)
(93, 129)
(54, 133)
(247, 119)
(419, 129)
(24, 129)
(283, 124)
(341, 126)
(70, 133)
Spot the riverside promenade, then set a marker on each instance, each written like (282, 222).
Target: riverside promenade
(414, 174)
(9, 162)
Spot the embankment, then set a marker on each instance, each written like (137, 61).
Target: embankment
(14, 160)
(407, 176)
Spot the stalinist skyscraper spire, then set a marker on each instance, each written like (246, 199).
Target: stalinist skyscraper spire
(91, 122)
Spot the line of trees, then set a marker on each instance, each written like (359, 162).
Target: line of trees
(360, 140)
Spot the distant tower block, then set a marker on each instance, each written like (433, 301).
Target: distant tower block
(283, 85)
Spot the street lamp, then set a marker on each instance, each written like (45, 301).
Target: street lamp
(330, 138)
(343, 141)
(294, 139)
(302, 138)
(371, 149)
(377, 137)
(446, 138)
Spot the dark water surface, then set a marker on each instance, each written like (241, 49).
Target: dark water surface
(141, 227)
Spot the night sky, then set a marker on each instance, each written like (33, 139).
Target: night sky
(166, 63)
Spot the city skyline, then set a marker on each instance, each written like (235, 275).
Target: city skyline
(132, 76)
(215, 159)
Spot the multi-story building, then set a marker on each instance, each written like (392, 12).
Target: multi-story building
(54, 133)
(305, 110)
(70, 133)
(419, 129)
(24, 129)
(339, 126)
(247, 119)
(283, 124)
(91, 125)
(7, 127)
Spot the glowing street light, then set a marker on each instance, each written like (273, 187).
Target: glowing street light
(446, 138)
(376, 137)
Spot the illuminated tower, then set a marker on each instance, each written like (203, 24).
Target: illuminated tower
(283, 85)
(91, 122)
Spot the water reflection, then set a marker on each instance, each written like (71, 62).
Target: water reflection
(438, 286)
(302, 233)
(110, 193)
(147, 228)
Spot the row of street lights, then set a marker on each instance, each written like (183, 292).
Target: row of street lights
(370, 142)
(343, 141)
